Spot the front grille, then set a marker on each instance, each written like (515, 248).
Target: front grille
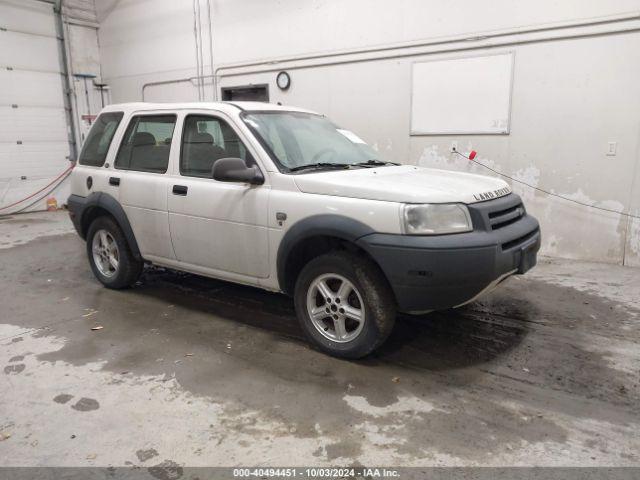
(519, 241)
(507, 216)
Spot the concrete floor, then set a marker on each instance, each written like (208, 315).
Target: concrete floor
(191, 371)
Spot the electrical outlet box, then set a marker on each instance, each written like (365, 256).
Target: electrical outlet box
(454, 146)
(612, 148)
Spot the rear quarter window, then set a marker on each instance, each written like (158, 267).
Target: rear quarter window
(96, 145)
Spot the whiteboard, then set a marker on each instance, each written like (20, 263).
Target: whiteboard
(462, 95)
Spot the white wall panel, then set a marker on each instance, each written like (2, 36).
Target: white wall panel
(29, 52)
(26, 88)
(173, 92)
(33, 129)
(255, 29)
(144, 37)
(16, 189)
(32, 124)
(481, 85)
(84, 10)
(33, 160)
(26, 15)
(85, 53)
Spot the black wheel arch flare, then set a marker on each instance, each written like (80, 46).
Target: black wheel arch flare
(84, 209)
(323, 225)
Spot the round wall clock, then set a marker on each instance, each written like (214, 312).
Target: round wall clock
(283, 80)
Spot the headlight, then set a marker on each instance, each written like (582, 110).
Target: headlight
(435, 219)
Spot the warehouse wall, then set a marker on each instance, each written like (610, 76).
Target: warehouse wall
(575, 87)
(37, 138)
(34, 144)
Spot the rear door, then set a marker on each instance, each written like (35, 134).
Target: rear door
(140, 172)
(216, 225)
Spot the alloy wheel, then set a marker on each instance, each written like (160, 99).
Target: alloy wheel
(335, 307)
(106, 255)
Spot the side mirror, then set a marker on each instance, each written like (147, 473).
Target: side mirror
(236, 170)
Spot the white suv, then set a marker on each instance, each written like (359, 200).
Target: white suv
(282, 199)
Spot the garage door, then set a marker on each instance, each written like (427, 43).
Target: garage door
(34, 145)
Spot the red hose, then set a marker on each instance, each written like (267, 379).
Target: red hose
(41, 190)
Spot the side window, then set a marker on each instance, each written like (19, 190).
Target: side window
(96, 145)
(205, 140)
(146, 144)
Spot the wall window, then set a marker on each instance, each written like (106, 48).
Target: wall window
(146, 144)
(96, 145)
(251, 93)
(205, 140)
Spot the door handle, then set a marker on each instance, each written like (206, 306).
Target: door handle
(115, 181)
(180, 190)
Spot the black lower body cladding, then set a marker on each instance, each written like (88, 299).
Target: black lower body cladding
(444, 271)
(76, 205)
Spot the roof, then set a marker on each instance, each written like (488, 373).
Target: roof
(228, 107)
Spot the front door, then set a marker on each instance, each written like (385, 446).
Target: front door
(220, 226)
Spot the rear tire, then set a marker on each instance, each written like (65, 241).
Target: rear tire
(344, 304)
(110, 256)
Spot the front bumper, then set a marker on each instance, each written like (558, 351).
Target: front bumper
(445, 271)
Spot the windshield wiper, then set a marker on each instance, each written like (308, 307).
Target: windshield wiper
(319, 165)
(375, 163)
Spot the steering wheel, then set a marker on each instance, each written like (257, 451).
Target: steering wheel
(322, 152)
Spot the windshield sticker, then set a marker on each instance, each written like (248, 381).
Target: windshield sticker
(351, 136)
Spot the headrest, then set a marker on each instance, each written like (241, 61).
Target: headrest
(143, 138)
(197, 137)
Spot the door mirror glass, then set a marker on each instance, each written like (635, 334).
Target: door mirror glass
(236, 170)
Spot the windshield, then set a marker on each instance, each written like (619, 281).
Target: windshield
(298, 140)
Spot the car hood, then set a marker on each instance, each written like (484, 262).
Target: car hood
(404, 183)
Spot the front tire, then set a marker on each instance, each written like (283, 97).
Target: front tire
(344, 304)
(110, 256)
